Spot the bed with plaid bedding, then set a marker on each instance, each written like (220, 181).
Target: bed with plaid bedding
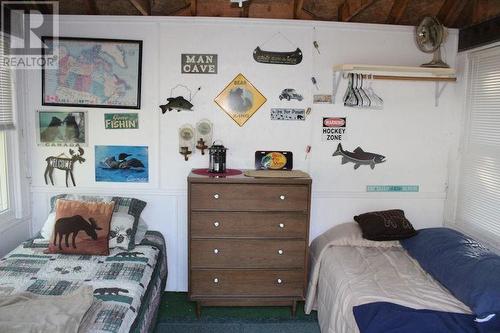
(129, 283)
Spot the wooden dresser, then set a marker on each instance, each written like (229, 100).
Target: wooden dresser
(248, 240)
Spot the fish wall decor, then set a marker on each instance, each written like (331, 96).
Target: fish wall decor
(179, 103)
(359, 157)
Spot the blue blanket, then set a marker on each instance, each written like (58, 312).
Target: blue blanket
(467, 268)
(383, 317)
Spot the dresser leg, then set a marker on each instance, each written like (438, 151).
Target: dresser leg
(294, 309)
(198, 310)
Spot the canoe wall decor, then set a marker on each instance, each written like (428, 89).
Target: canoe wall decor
(278, 58)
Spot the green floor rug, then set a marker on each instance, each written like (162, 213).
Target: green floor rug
(178, 315)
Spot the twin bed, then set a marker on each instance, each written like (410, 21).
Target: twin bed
(361, 285)
(126, 284)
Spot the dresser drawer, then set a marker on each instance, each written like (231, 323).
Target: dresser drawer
(248, 224)
(232, 253)
(247, 283)
(249, 197)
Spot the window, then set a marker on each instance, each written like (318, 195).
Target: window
(4, 188)
(6, 109)
(6, 123)
(478, 200)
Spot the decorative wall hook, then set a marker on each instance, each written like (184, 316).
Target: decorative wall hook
(186, 140)
(204, 131)
(201, 145)
(184, 151)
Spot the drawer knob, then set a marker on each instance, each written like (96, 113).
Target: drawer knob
(279, 281)
(216, 196)
(282, 225)
(280, 251)
(216, 280)
(216, 224)
(216, 251)
(282, 197)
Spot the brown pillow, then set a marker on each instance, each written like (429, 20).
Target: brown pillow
(81, 227)
(385, 225)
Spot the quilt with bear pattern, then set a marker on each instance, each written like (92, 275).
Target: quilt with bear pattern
(129, 283)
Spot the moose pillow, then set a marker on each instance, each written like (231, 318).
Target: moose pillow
(81, 227)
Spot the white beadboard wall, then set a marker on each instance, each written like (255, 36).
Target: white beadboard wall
(414, 135)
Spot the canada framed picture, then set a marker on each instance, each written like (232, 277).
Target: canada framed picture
(62, 128)
(99, 73)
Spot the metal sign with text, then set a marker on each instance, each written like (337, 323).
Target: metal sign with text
(333, 129)
(288, 114)
(198, 63)
(121, 120)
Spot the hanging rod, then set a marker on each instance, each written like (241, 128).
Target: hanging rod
(410, 78)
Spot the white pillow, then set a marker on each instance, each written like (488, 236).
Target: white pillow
(48, 227)
(349, 234)
(142, 227)
(120, 230)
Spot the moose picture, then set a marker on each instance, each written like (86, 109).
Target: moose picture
(81, 227)
(67, 226)
(62, 162)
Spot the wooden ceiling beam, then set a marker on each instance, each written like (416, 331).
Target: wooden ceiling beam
(450, 11)
(397, 10)
(92, 7)
(300, 13)
(143, 6)
(350, 8)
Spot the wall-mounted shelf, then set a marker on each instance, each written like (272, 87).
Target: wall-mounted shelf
(403, 73)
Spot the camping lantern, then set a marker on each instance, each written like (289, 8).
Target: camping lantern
(217, 158)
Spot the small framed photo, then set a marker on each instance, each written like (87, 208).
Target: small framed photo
(62, 128)
(98, 73)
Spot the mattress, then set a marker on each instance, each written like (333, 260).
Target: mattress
(355, 275)
(129, 283)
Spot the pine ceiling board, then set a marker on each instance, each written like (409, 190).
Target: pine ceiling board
(376, 13)
(116, 7)
(485, 9)
(75, 7)
(168, 7)
(323, 9)
(418, 9)
(217, 8)
(276, 9)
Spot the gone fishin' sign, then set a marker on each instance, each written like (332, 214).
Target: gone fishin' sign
(199, 63)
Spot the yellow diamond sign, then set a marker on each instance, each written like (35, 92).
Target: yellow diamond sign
(240, 99)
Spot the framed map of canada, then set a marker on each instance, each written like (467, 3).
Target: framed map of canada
(101, 73)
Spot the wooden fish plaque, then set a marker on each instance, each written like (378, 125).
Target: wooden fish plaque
(278, 58)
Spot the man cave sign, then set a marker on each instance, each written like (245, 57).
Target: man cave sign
(199, 63)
